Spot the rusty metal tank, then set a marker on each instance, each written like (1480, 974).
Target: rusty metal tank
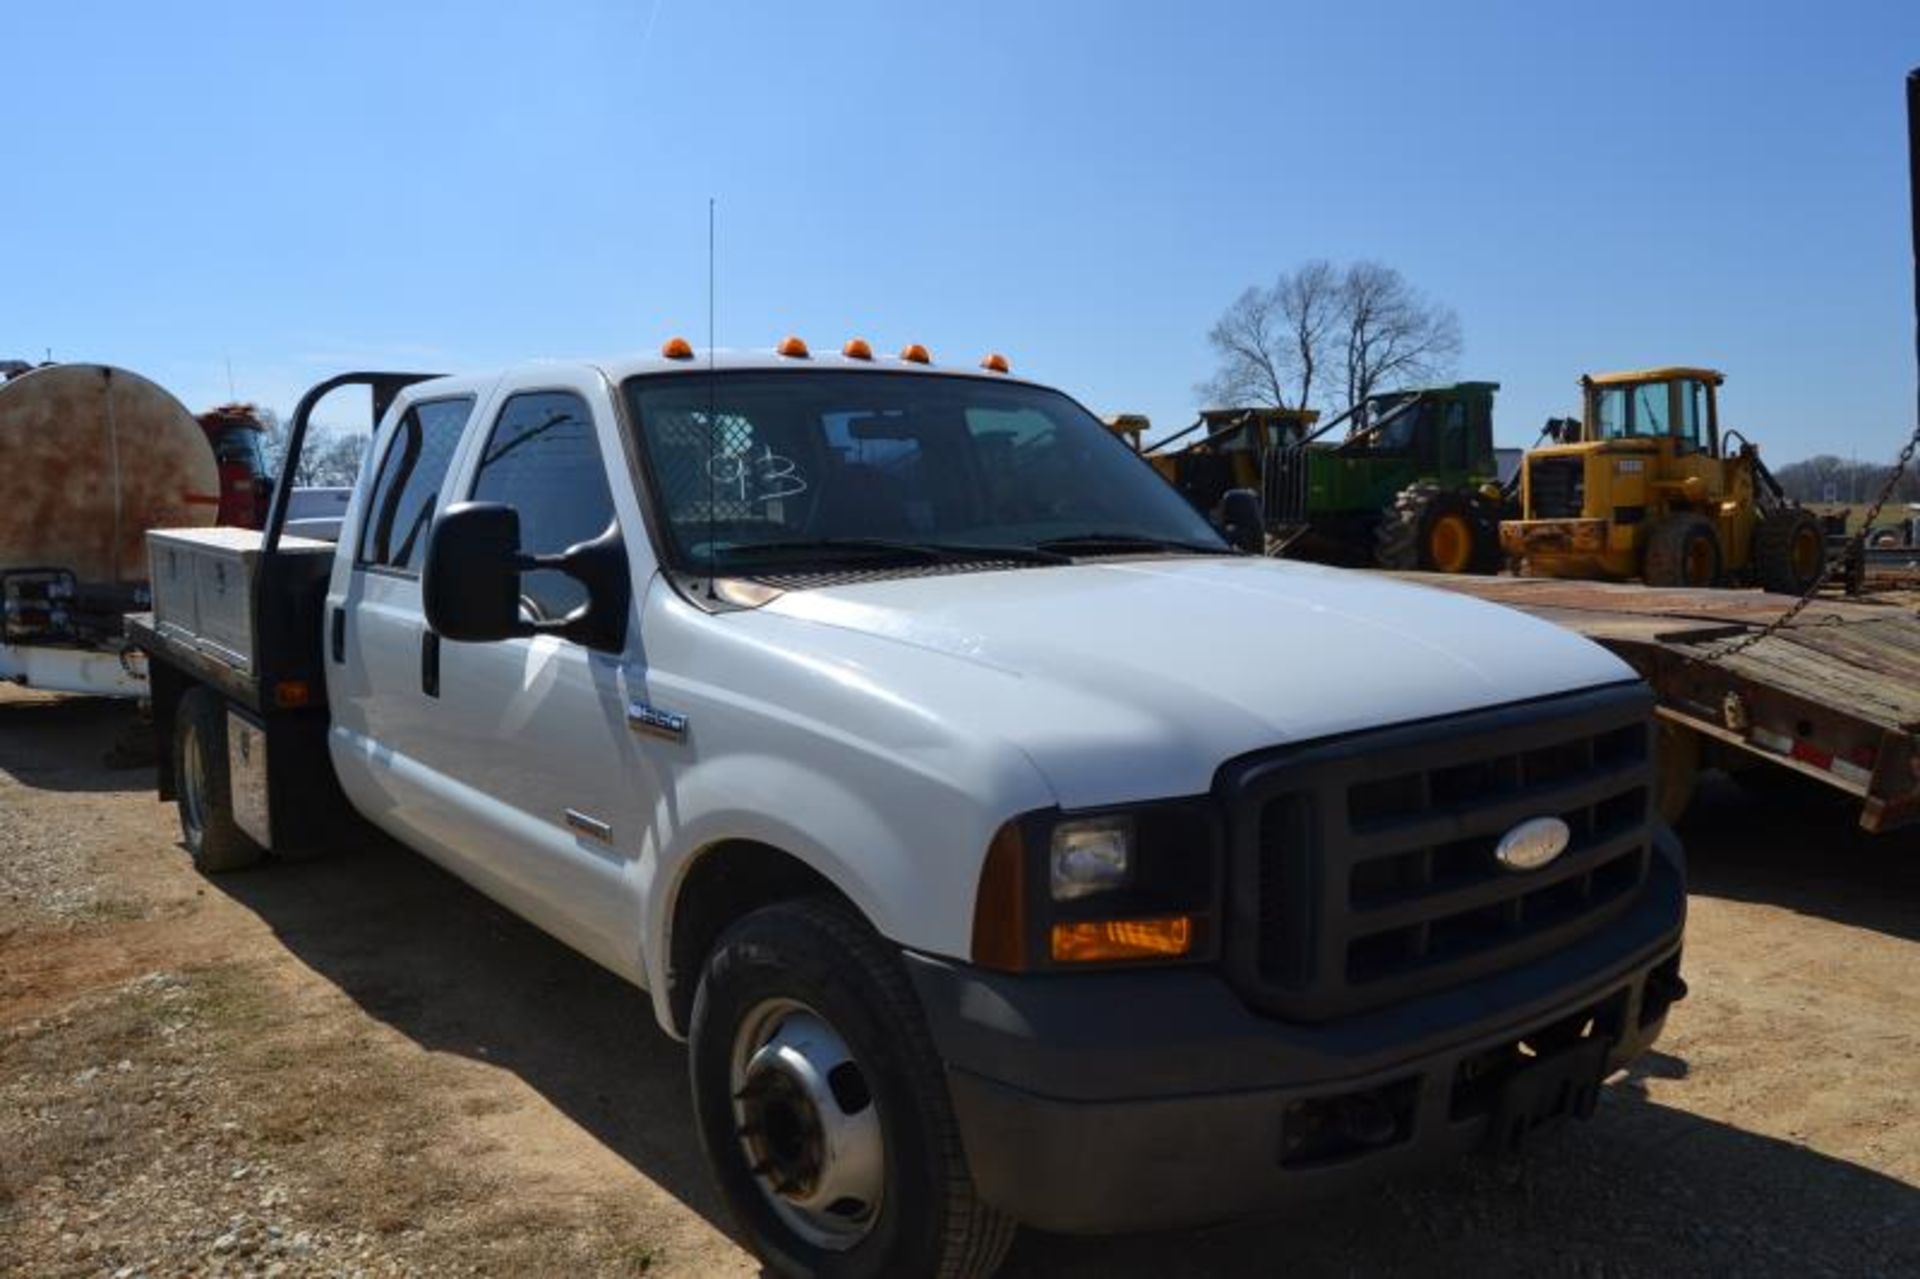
(91, 457)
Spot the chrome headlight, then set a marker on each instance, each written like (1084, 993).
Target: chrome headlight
(1090, 855)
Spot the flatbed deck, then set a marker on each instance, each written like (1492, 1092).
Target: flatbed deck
(1835, 695)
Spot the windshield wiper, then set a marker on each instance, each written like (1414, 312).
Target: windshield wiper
(1125, 543)
(925, 552)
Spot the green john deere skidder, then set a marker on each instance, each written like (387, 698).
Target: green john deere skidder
(1413, 486)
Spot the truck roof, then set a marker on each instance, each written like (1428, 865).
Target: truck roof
(698, 360)
(1665, 373)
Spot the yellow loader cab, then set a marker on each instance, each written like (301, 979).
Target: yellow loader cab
(1648, 485)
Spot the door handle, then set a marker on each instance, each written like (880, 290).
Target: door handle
(430, 663)
(337, 634)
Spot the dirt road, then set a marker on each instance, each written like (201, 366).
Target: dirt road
(357, 1065)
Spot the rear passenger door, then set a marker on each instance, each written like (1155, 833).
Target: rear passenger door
(375, 629)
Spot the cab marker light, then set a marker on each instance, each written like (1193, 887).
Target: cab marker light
(676, 349)
(857, 349)
(793, 348)
(914, 353)
(995, 363)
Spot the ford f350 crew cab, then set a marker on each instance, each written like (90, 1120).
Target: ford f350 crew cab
(1006, 846)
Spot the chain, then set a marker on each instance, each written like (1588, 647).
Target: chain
(1855, 546)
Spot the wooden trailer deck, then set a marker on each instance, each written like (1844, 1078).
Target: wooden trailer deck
(1835, 695)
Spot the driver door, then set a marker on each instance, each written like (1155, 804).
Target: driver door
(531, 734)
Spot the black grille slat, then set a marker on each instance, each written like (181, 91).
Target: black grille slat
(1371, 857)
(1497, 886)
(1460, 821)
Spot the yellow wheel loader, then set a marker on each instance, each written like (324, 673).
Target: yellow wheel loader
(1647, 484)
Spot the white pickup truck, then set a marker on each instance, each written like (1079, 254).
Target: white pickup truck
(1007, 846)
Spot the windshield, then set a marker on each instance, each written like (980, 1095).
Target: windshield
(775, 470)
(1636, 409)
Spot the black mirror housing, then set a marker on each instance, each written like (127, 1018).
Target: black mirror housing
(471, 582)
(1241, 522)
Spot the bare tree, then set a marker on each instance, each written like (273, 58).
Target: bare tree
(1364, 323)
(1253, 360)
(1392, 335)
(336, 460)
(1272, 342)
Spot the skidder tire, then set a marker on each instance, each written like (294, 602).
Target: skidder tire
(1433, 529)
(823, 1108)
(205, 795)
(1789, 551)
(1682, 551)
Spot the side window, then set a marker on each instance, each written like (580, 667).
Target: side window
(1694, 416)
(543, 461)
(406, 492)
(1611, 412)
(1453, 437)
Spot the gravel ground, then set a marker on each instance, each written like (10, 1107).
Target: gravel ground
(356, 1066)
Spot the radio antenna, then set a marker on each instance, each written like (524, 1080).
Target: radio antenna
(713, 425)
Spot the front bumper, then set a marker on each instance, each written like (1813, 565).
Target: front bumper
(1143, 1100)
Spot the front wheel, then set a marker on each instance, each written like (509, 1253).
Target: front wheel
(1682, 551)
(823, 1108)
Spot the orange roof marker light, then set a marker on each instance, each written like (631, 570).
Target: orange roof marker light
(914, 353)
(995, 363)
(857, 349)
(676, 349)
(794, 349)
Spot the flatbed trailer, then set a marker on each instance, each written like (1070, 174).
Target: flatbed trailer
(1834, 696)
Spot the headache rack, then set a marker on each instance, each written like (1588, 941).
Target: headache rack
(1362, 870)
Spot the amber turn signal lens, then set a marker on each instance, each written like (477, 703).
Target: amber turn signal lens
(857, 349)
(793, 348)
(995, 363)
(916, 354)
(1104, 940)
(291, 694)
(676, 349)
(1000, 907)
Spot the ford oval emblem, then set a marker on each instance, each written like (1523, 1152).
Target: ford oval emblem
(1532, 844)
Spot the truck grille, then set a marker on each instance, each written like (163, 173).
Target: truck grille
(1556, 488)
(1363, 870)
(1285, 499)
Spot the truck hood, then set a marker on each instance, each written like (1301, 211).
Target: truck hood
(1136, 679)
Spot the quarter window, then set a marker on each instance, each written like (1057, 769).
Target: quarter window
(407, 490)
(543, 461)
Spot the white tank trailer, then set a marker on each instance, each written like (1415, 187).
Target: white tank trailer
(91, 457)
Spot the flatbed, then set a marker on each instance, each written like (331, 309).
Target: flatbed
(1834, 696)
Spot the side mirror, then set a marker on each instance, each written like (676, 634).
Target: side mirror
(1240, 521)
(471, 582)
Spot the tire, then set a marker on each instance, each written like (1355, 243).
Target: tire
(809, 978)
(205, 795)
(1435, 530)
(1789, 551)
(1682, 551)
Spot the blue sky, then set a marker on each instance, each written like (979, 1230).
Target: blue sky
(1083, 186)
